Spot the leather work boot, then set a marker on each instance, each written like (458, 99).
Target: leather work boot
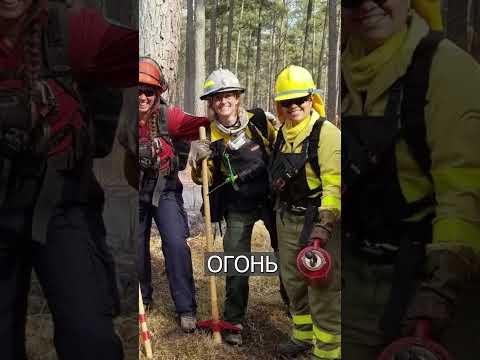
(188, 322)
(232, 337)
(292, 348)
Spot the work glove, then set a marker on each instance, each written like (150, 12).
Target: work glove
(324, 227)
(199, 150)
(446, 275)
(145, 155)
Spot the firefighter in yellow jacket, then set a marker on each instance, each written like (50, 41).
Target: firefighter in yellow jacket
(411, 179)
(238, 153)
(305, 175)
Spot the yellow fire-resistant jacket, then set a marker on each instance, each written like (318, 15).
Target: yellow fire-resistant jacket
(452, 117)
(329, 160)
(216, 135)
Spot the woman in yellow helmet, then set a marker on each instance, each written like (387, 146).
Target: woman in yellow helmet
(411, 189)
(305, 173)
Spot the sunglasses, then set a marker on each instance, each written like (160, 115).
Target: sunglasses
(297, 101)
(352, 4)
(148, 91)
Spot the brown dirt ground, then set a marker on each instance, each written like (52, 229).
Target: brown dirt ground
(266, 324)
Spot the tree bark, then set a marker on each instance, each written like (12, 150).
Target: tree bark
(271, 65)
(307, 31)
(332, 60)
(189, 60)
(238, 38)
(221, 43)
(199, 106)
(229, 33)
(322, 50)
(160, 38)
(212, 52)
(247, 68)
(259, 57)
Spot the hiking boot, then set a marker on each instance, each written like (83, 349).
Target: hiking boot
(292, 348)
(188, 322)
(232, 337)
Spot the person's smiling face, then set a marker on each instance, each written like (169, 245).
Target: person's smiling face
(297, 109)
(373, 23)
(225, 105)
(146, 98)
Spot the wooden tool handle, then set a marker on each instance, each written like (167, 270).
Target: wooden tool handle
(217, 338)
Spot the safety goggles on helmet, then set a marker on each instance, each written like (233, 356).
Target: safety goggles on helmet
(351, 4)
(297, 101)
(146, 90)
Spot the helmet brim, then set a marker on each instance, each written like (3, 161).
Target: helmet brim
(228, 89)
(295, 95)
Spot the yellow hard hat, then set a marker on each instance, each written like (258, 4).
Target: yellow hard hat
(431, 11)
(295, 82)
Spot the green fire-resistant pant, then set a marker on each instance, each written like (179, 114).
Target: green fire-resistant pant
(238, 238)
(365, 294)
(315, 310)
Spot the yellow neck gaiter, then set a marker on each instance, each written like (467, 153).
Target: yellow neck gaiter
(294, 134)
(361, 67)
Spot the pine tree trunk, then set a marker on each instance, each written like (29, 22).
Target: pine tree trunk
(332, 60)
(278, 48)
(229, 34)
(221, 43)
(322, 50)
(271, 65)
(238, 38)
(259, 57)
(199, 106)
(160, 38)
(247, 68)
(212, 52)
(307, 31)
(189, 60)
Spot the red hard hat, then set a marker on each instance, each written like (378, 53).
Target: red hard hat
(150, 74)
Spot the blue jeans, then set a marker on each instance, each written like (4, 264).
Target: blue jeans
(171, 221)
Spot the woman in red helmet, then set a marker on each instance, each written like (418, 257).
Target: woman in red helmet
(50, 202)
(160, 190)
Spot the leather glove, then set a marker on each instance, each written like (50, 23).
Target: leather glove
(200, 149)
(446, 276)
(145, 155)
(324, 227)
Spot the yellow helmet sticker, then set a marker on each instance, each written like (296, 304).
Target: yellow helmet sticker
(209, 84)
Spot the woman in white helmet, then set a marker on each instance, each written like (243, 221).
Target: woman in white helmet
(411, 220)
(305, 174)
(237, 151)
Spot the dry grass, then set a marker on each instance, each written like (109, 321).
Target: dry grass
(39, 330)
(40, 336)
(266, 324)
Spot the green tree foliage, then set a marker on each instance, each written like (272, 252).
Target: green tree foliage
(283, 24)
